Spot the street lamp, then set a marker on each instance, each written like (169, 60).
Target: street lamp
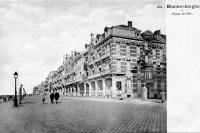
(15, 100)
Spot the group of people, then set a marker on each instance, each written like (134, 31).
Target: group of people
(54, 95)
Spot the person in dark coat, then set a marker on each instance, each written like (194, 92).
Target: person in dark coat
(52, 97)
(57, 95)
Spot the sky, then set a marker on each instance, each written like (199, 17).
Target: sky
(36, 34)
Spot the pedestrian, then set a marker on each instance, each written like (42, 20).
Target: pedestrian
(52, 97)
(57, 95)
(163, 97)
(43, 98)
(144, 93)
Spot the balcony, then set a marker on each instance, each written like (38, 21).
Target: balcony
(105, 72)
(94, 75)
(98, 74)
(102, 57)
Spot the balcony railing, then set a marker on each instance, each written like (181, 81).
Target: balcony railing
(94, 75)
(98, 74)
(102, 57)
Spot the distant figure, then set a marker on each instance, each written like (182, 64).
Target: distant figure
(43, 98)
(52, 97)
(163, 96)
(144, 93)
(57, 95)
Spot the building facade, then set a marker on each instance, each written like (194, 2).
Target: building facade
(122, 60)
(116, 63)
(74, 72)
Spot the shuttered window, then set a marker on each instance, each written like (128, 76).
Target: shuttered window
(122, 50)
(133, 51)
(113, 49)
(113, 66)
(123, 67)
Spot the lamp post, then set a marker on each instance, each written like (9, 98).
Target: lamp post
(15, 100)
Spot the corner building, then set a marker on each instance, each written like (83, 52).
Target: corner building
(121, 60)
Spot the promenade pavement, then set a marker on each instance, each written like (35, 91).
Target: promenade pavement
(83, 115)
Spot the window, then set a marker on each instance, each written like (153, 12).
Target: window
(133, 60)
(113, 45)
(123, 50)
(113, 49)
(133, 51)
(113, 53)
(158, 84)
(123, 46)
(123, 59)
(133, 65)
(133, 55)
(122, 54)
(134, 85)
(113, 66)
(133, 47)
(123, 67)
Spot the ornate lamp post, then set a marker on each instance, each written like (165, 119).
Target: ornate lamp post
(15, 100)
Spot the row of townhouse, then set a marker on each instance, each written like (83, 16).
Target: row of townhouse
(41, 88)
(117, 63)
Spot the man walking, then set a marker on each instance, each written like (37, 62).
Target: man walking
(52, 97)
(57, 95)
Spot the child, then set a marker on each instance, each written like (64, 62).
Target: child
(43, 98)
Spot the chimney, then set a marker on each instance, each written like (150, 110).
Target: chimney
(158, 32)
(129, 23)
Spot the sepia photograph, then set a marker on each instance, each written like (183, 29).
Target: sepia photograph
(83, 66)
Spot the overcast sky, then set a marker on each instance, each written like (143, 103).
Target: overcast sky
(34, 35)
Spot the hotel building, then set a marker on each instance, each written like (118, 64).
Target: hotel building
(116, 63)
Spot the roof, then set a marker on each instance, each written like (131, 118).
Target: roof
(150, 35)
(147, 33)
(125, 26)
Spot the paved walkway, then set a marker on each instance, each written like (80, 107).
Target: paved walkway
(83, 115)
(125, 100)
